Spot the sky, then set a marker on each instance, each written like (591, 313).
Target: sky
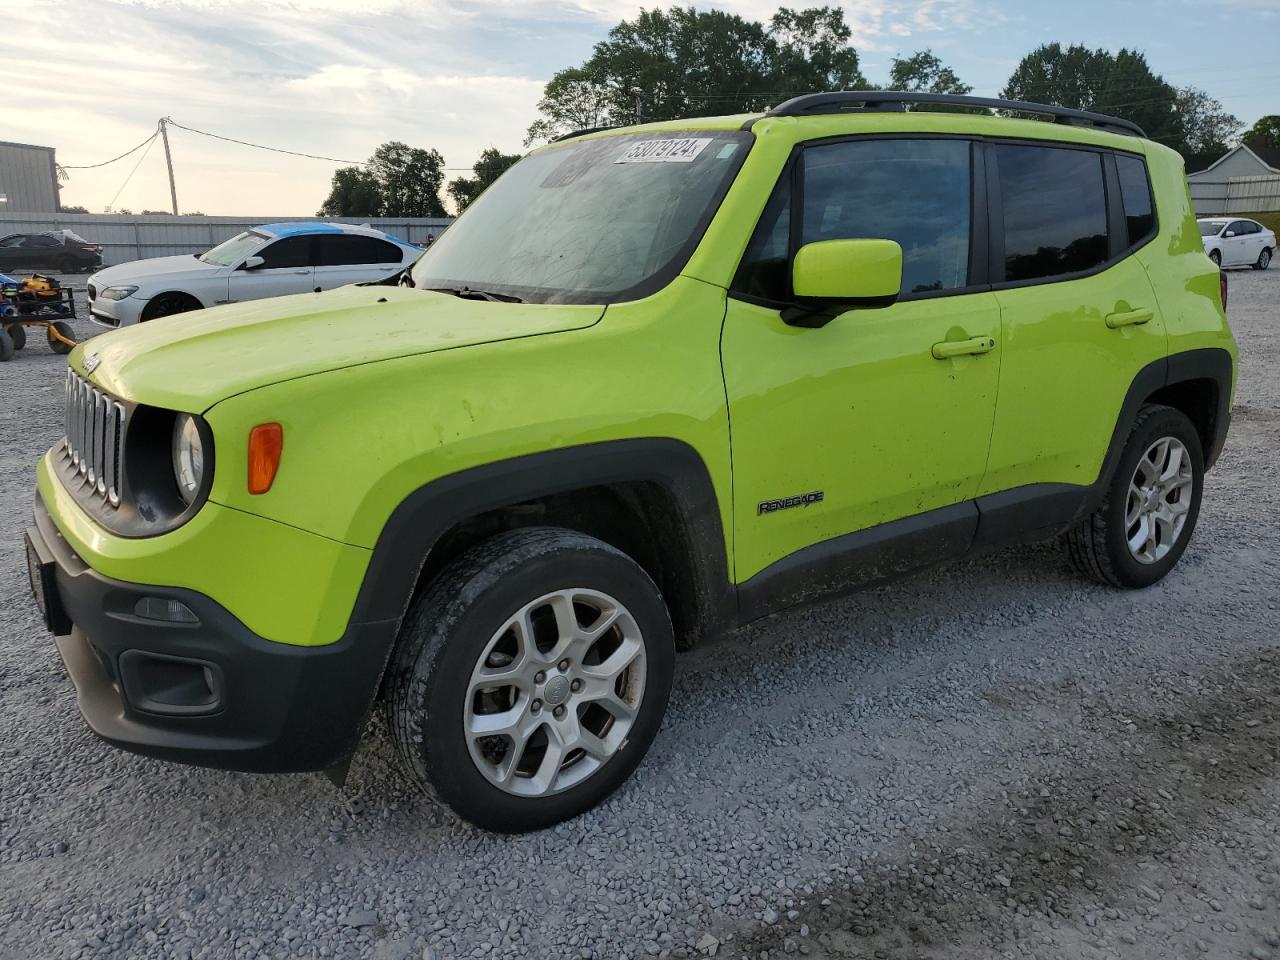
(338, 77)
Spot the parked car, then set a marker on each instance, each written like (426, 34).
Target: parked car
(58, 251)
(639, 394)
(268, 261)
(1237, 243)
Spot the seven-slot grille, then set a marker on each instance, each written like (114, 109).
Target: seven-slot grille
(95, 435)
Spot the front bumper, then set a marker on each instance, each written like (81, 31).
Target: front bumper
(116, 313)
(209, 692)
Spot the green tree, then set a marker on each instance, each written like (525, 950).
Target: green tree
(1207, 127)
(354, 193)
(491, 165)
(922, 72)
(398, 181)
(1118, 83)
(812, 53)
(683, 62)
(1265, 133)
(73, 210)
(409, 180)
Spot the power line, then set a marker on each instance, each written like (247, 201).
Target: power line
(94, 166)
(112, 204)
(259, 146)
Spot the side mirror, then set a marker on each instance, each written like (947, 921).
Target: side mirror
(1229, 233)
(252, 263)
(830, 276)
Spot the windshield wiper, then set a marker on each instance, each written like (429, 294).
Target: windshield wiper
(469, 293)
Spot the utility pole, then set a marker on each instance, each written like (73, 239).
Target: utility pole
(168, 161)
(637, 92)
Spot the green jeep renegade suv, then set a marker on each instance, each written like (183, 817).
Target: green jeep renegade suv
(657, 382)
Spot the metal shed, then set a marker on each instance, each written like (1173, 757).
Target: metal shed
(28, 179)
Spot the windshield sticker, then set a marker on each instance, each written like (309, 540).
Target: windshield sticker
(681, 150)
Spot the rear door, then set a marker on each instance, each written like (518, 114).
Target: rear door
(1078, 316)
(12, 254)
(287, 268)
(351, 258)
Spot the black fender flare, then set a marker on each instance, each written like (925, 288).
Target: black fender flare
(416, 525)
(1206, 363)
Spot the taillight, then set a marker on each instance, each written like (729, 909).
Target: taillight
(1222, 287)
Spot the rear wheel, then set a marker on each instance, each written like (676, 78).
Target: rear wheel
(65, 331)
(1264, 260)
(68, 265)
(18, 333)
(6, 347)
(1142, 527)
(531, 678)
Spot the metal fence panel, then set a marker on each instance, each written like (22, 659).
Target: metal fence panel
(1253, 194)
(126, 238)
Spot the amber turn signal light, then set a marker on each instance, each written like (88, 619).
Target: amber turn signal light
(266, 441)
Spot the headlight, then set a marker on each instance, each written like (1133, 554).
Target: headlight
(188, 457)
(117, 293)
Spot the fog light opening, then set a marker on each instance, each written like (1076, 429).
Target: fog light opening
(164, 610)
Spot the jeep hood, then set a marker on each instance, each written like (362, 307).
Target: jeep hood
(190, 361)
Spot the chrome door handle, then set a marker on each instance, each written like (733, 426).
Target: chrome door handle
(946, 349)
(1128, 318)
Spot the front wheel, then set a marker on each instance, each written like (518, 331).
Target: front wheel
(1263, 261)
(18, 333)
(6, 346)
(1216, 257)
(59, 343)
(531, 678)
(1148, 515)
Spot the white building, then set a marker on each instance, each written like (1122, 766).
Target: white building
(28, 179)
(1243, 180)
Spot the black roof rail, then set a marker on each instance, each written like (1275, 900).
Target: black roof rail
(849, 101)
(581, 133)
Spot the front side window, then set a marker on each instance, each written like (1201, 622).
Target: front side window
(1211, 228)
(289, 252)
(1055, 211)
(916, 192)
(588, 221)
(1135, 194)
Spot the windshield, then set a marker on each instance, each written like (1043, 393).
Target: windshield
(231, 252)
(594, 221)
(1211, 228)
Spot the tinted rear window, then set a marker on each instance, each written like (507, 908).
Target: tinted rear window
(1055, 211)
(336, 250)
(1135, 192)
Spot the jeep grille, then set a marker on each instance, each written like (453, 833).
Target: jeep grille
(95, 437)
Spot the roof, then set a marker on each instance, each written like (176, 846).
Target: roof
(1269, 157)
(298, 228)
(26, 146)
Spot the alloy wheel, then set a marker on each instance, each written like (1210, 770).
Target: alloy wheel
(555, 692)
(1159, 500)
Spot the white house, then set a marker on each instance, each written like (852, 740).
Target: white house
(1243, 180)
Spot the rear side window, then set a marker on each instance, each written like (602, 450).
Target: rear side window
(1055, 211)
(343, 250)
(916, 192)
(1135, 194)
(289, 252)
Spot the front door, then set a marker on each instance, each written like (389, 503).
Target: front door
(843, 427)
(287, 268)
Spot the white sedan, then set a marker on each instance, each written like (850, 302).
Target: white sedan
(1237, 243)
(268, 261)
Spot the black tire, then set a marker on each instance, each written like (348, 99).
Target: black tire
(1216, 257)
(63, 328)
(18, 333)
(168, 304)
(68, 265)
(1098, 545)
(1264, 259)
(6, 347)
(447, 631)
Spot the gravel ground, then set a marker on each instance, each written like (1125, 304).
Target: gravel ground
(991, 760)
